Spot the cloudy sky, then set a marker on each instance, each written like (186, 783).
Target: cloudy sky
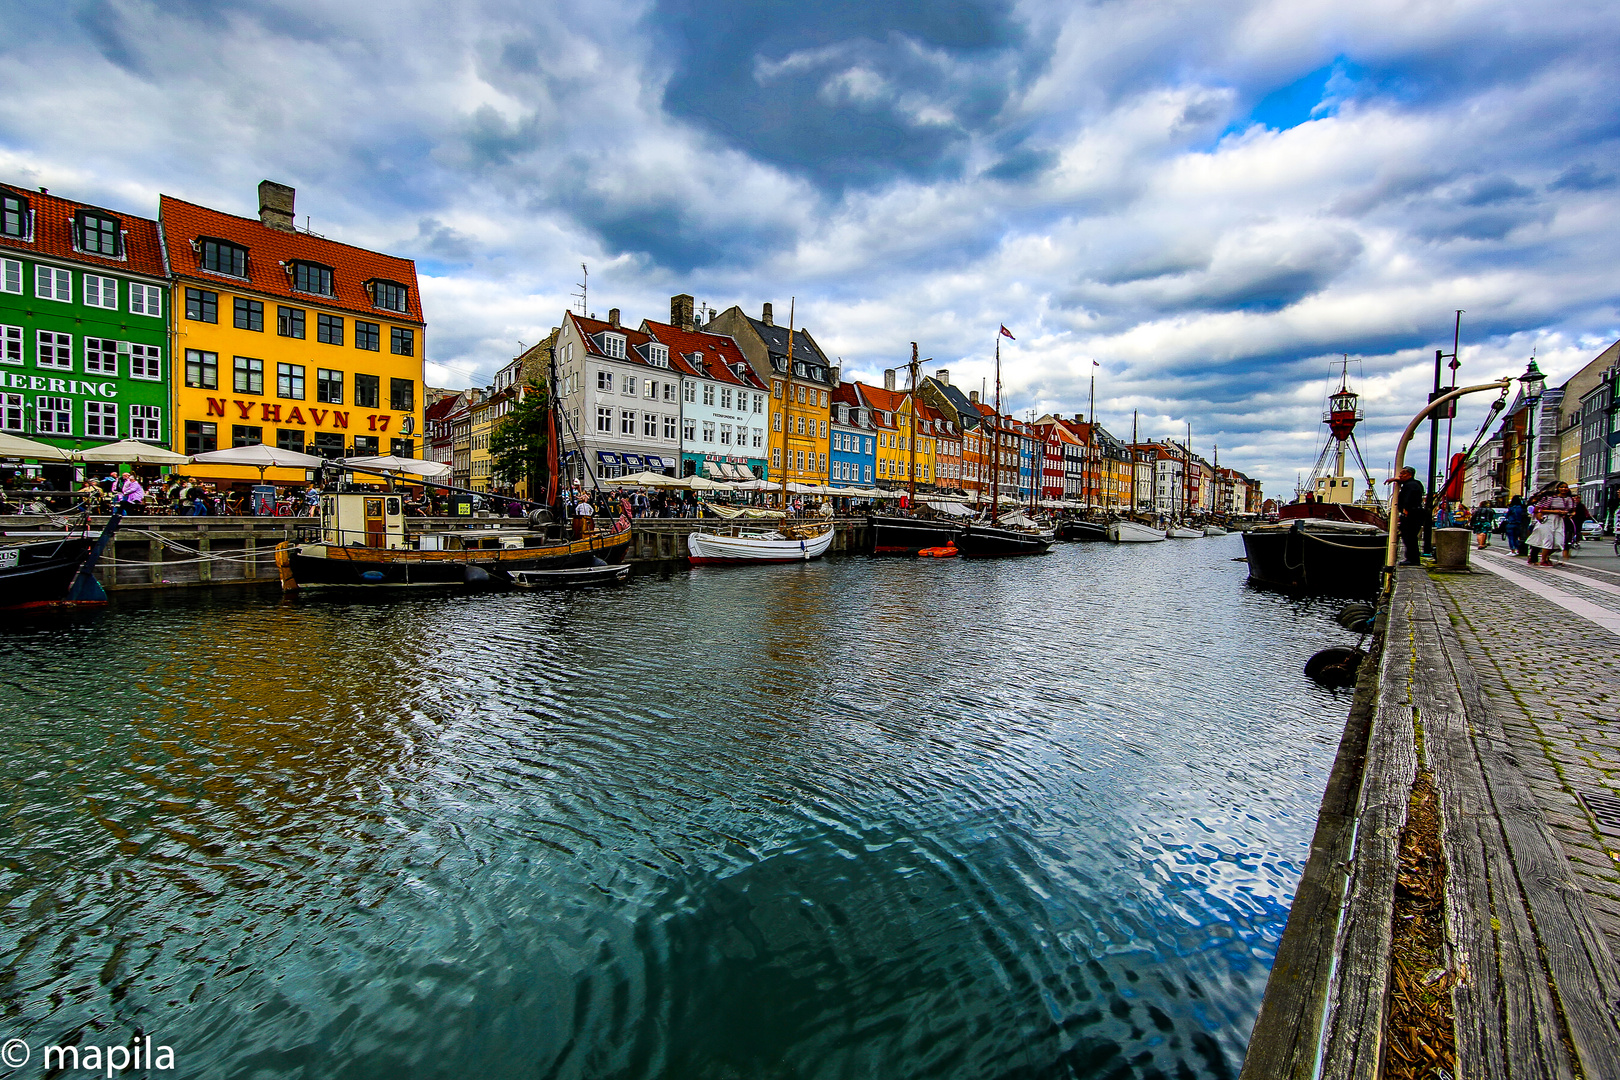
(1211, 198)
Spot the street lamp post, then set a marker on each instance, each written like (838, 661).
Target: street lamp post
(1533, 383)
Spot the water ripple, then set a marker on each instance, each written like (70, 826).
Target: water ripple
(851, 819)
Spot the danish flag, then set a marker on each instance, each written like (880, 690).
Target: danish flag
(1006, 332)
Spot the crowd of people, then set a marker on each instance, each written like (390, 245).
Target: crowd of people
(1549, 522)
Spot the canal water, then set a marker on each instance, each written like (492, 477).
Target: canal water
(858, 818)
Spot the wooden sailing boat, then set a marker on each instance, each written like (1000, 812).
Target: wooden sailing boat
(996, 539)
(362, 541)
(792, 542)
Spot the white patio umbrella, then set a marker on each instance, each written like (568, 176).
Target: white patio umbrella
(132, 451)
(649, 479)
(15, 446)
(432, 470)
(703, 483)
(259, 456)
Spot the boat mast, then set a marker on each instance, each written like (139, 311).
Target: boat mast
(787, 396)
(1091, 434)
(1186, 474)
(995, 455)
(1135, 506)
(911, 407)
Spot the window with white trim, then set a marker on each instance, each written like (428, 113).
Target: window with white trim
(708, 431)
(101, 356)
(759, 403)
(669, 427)
(10, 276)
(54, 415)
(689, 429)
(54, 350)
(101, 291)
(627, 422)
(759, 438)
(725, 434)
(145, 361)
(708, 393)
(145, 300)
(101, 419)
(669, 391)
(145, 422)
(689, 391)
(630, 386)
(613, 345)
(658, 355)
(53, 284)
(649, 389)
(649, 425)
(604, 381)
(604, 419)
(776, 457)
(12, 411)
(11, 345)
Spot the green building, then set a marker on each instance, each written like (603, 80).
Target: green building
(84, 324)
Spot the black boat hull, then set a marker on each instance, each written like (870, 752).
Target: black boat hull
(983, 541)
(40, 574)
(907, 536)
(1317, 562)
(1082, 530)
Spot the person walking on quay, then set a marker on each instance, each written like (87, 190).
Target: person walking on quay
(1572, 535)
(1515, 523)
(1552, 511)
(1409, 508)
(1481, 521)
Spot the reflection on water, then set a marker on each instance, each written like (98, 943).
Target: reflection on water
(857, 818)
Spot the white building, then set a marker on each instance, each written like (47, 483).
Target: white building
(722, 401)
(620, 396)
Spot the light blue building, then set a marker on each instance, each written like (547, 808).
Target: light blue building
(852, 458)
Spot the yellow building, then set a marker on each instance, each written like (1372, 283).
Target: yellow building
(895, 458)
(807, 408)
(289, 339)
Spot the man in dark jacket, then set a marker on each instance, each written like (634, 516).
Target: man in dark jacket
(1409, 505)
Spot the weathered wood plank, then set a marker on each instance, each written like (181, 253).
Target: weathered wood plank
(1353, 1047)
(1505, 1020)
(1287, 1033)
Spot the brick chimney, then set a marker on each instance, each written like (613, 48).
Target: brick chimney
(276, 205)
(766, 317)
(973, 396)
(943, 375)
(1079, 417)
(681, 312)
(613, 316)
(888, 378)
(833, 376)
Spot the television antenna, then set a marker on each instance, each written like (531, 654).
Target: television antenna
(583, 286)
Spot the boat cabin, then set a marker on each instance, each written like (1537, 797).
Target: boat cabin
(1336, 489)
(371, 519)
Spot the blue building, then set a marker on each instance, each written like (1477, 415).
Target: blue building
(853, 455)
(1031, 452)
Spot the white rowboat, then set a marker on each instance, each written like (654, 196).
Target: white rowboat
(769, 547)
(1181, 532)
(1133, 532)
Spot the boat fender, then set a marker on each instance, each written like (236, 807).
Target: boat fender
(476, 575)
(1357, 617)
(372, 577)
(1334, 667)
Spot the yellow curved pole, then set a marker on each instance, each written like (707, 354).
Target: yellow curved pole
(1400, 463)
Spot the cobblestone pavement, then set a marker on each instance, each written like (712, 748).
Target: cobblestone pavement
(1553, 678)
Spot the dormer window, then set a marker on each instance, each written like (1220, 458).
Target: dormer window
(308, 277)
(387, 294)
(99, 234)
(13, 216)
(224, 258)
(658, 355)
(613, 345)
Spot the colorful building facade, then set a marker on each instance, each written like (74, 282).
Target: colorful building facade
(801, 391)
(84, 324)
(289, 339)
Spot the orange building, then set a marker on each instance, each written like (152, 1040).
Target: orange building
(287, 338)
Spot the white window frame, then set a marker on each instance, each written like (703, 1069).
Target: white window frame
(96, 289)
(98, 414)
(759, 403)
(689, 429)
(11, 344)
(105, 351)
(60, 408)
(57, 342)
(669, 427)
(708, 431)
(669, 391)
(13, 412)
(142, 355)
(146, 418)
(51, 282)
(613, 345)
(708, 394)
(725, 397)
(629, 386)
(658, 354)
(11, 276)
(604, 419)
(604, 382)
(725, 434)
(649, 389)
(145, 300)
(689, 392)
(627, 422)
(649, 425)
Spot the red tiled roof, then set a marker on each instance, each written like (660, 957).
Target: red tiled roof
(683, 343)
(53, 235)
(352, 267)
(632, 338)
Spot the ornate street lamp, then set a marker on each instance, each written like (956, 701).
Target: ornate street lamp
(1532, 382)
